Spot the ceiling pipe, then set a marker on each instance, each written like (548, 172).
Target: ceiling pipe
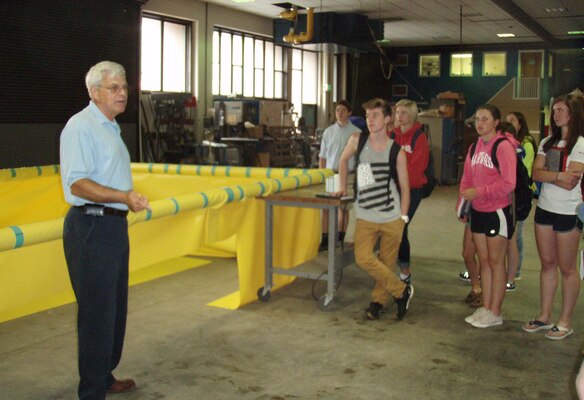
(303, 36)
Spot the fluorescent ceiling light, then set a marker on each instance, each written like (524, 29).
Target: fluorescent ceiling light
(555, 9)
(462, 55)
(506, 34)
(575, 32)
(243, 1)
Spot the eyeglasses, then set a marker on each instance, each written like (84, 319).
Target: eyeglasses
(116, 89)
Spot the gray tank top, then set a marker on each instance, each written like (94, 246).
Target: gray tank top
(374, 203)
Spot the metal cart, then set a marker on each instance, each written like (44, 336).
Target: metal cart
(307, 198)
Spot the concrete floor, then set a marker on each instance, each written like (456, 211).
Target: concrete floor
(179, 348)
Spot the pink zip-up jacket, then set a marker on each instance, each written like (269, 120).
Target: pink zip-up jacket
(493, 188)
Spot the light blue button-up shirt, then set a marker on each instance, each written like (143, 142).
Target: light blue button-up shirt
(92, 148)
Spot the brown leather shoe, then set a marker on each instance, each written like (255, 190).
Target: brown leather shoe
(125, 385)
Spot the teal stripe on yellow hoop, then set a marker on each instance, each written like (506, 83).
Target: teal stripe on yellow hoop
(279, 184)
(322, 175)
(178, 167)
(150, 166)
(297, 181)
(269, 172)
(148, 215)
(213, 168)
(241, 192)
(18, 235)
(39, 171)
(176, 205)
(263, 188)
(228, 171)
(248, 172)
(165, 168)
(12, 173)
(198, 170)
(230, 195)
(286, 172)
(206, 203)
(309, 177)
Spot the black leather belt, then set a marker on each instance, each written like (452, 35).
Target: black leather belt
(99, 210)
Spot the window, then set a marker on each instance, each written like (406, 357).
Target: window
(247, 65)
(461, 64)
(304, 78)
(495, 64)
(429, 65)
(165, 54)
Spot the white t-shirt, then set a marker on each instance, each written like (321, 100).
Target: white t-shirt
(554, 198)
(334, 140)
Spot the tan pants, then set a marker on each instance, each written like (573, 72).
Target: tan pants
(381, 269)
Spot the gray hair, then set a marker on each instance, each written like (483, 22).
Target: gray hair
(95, 74)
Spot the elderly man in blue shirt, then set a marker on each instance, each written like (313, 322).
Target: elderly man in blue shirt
(97, 182)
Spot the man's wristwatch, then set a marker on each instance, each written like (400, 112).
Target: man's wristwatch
(405, 218)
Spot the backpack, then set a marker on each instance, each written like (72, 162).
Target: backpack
(393, 153)
(429, 171)
(522, 194)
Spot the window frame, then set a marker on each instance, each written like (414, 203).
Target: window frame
(432, 74)
(256, 88)
(188, 67)
(452, 57)
(485, 54)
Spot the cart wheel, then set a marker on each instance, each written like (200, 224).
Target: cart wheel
(330, 306)
(263, 296)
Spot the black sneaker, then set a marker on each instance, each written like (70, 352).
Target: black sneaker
(323, 243)
(403, 303)
(374, 311)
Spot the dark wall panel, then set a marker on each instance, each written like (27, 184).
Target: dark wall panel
(46, 49)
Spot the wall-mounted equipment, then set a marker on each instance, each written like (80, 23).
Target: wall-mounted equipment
(332, 32)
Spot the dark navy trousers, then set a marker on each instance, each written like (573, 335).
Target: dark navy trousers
(97, 254)
(403, 255)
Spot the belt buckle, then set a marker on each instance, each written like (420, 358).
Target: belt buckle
(95, 210)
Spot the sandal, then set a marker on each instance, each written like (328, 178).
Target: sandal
(536, 326)
(559, 333)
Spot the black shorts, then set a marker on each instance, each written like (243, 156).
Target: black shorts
(559, 222)
(496, 223)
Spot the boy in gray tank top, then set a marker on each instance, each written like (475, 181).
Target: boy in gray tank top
(381, 207)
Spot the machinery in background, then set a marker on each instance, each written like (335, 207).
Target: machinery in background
(168, 126)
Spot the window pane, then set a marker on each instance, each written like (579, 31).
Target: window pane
(296, 96)
(216, 47)
(309, 80)
(296, 59)
(278, 60)
(259, 83)
(461, 64)
(215, 78)
(278, 85)
(495, 64)
(225, 84)
(269, 71)
(151, 54)
(259, 53)
(248, 67)
(429, 65)
(174, 57)
(237, 50)
(237, 80)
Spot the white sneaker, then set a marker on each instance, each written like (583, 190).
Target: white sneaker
(487, 320)
(475, 316)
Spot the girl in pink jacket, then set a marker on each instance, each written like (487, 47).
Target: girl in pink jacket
(489, 190)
